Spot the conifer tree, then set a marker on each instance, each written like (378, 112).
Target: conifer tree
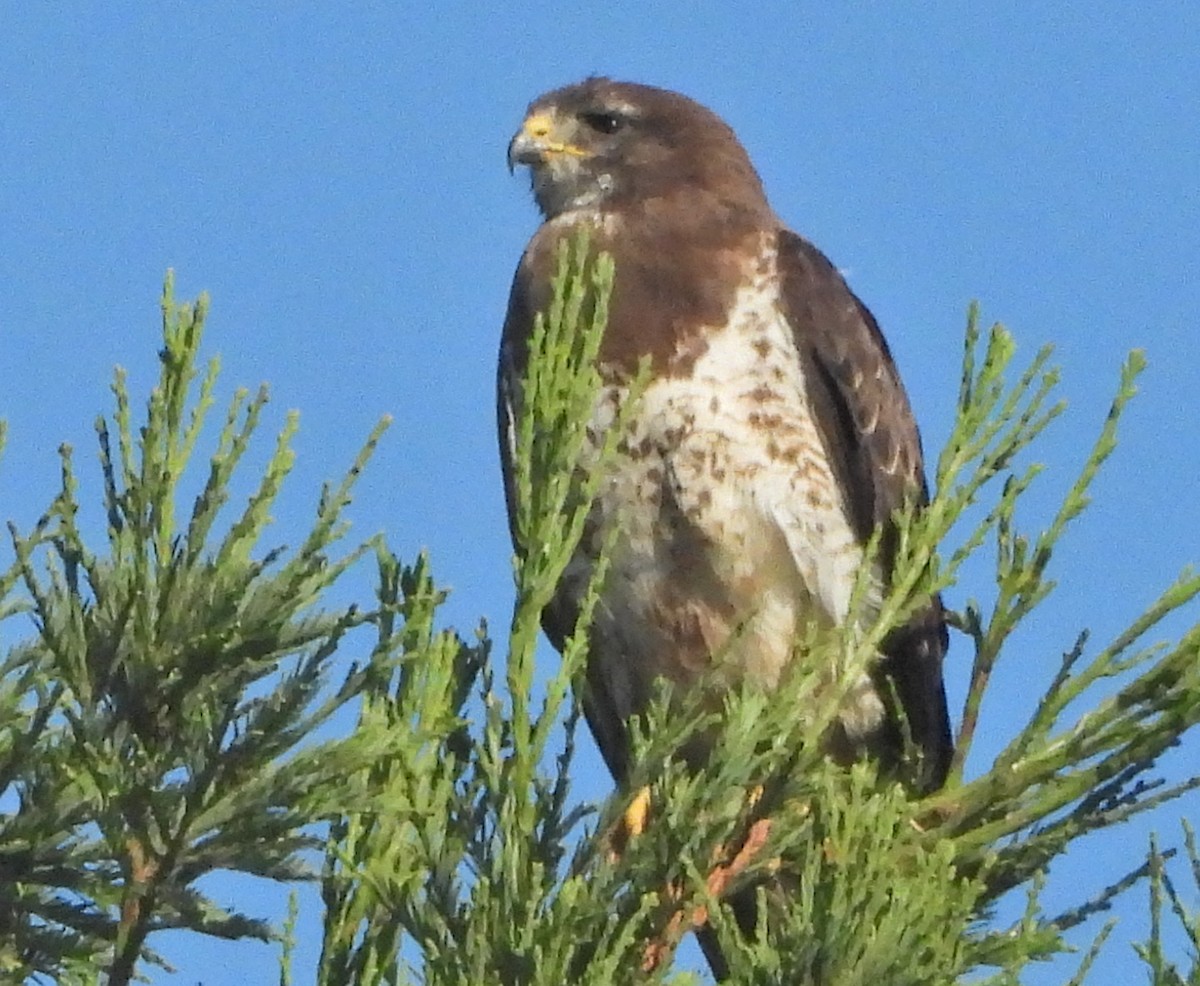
(157, 724)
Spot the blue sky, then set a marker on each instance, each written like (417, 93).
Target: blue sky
(334, 176)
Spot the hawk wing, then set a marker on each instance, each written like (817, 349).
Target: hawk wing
(529, 294)
(510, 369)
(870, 436)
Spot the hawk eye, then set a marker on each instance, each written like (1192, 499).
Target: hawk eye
(602, 122)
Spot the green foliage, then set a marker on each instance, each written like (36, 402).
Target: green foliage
(156, 728)
(1054, 781)
(1163, 897)
(159, 725)
(464, 855)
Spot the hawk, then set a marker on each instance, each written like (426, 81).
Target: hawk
(774, 437)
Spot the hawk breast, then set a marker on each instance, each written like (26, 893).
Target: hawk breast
(733, 531)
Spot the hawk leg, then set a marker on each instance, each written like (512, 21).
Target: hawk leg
(661, 948)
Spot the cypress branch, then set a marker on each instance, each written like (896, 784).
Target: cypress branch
(158, 726)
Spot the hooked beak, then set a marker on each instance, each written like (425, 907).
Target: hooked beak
(537, 141)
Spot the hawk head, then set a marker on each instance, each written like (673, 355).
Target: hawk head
(600, 144)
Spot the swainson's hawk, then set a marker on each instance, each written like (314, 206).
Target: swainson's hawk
(774, 438)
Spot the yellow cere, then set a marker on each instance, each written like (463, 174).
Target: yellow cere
(539, 127)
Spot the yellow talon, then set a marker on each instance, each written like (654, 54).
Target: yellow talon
(630, 825)
(636, 814)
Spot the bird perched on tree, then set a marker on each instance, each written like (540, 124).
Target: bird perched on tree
(773, 440)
